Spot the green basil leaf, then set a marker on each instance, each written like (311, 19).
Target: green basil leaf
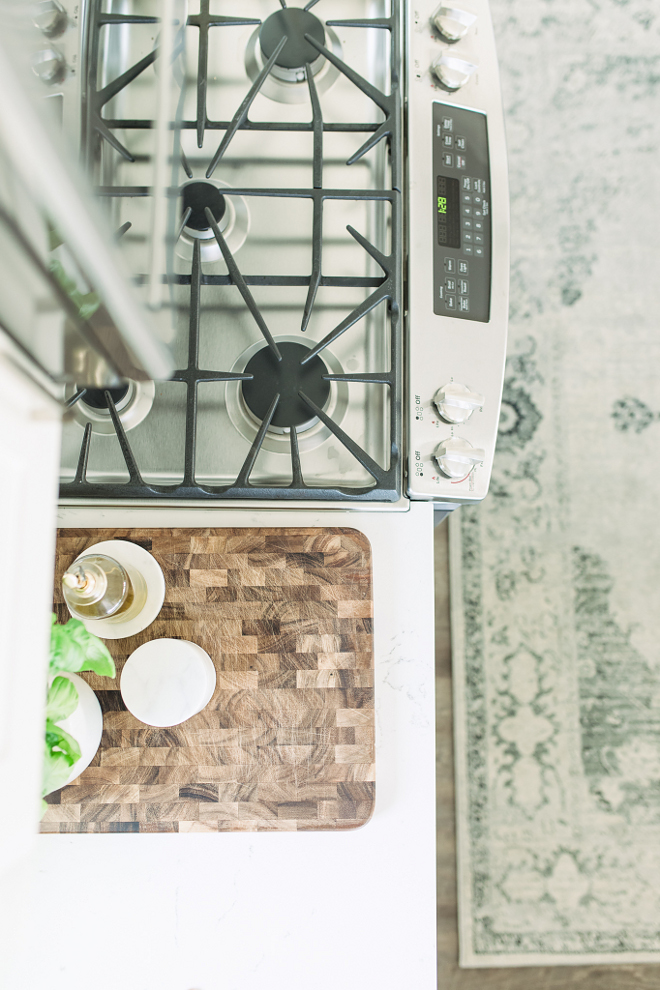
(57, 740)
(65, 652)
(62, 699)
(56, 771)
(73, 648)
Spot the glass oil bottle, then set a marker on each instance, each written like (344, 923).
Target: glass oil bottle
(98, 587)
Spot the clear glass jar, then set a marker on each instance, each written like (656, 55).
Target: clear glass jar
(98, 587)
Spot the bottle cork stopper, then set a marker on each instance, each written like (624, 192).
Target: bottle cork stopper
(76, 578)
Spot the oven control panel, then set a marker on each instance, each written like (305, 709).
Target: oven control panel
(458, 250)
(461, 204)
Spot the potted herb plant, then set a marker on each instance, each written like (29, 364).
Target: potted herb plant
(74, 721)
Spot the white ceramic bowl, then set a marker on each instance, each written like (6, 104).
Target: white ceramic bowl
(85, 724)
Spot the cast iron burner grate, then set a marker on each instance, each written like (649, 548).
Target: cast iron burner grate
(387, 482)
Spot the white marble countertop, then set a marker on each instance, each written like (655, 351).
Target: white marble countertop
(244, 911)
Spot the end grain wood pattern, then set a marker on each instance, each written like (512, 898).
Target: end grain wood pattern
(287, 741)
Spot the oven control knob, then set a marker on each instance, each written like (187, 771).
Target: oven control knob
(50, 17)
(452, 72)
(50, 65)
(457, 458)
(453, 23)
(456, 403)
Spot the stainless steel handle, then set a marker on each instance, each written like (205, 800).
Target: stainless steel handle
(46, 171)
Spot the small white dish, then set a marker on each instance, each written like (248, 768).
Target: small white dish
(167, 681)
(134, 559)
(85, 723)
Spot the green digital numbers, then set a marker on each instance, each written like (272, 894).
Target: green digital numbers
(442, 204)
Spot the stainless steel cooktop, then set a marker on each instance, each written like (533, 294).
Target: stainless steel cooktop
(286, 264)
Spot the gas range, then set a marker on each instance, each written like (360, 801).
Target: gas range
(337, 270)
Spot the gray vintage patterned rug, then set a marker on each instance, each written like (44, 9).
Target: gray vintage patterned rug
(556, 576)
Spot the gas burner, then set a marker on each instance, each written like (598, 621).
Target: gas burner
(246, 412)
(287, 378)
(292, 23)
(197, 196)
(132, 401)
(230, 213)
(96, 398)
(287, 81)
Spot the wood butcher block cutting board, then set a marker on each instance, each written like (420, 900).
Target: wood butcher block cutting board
(287, 741)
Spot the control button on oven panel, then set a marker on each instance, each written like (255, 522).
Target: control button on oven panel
(452, 23)
(463, 232)
(456, 402)
(50, 17)
(457, 458)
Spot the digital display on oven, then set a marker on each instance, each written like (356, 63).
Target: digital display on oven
(461, 191)
(448, 212)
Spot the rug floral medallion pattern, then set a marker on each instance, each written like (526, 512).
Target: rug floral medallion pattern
(556, 575)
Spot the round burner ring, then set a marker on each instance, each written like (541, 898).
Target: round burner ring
(95, 397)
(230, 212)
(133, 401)
(286, 378)
(292, 23)
(289, 85)
(313, 433)
(197, 196)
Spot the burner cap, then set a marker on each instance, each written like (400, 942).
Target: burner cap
(287, 377)
(95, 397)
(199, 195)
(294, 23)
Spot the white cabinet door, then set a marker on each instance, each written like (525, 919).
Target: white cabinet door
(29, 467)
